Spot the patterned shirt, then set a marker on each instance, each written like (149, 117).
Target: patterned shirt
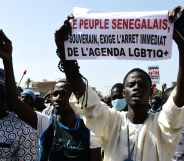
(18, 141)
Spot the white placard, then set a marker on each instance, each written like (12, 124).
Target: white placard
(120, 35)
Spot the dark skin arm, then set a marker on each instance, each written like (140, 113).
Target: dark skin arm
(71, 68)
(177, 16)
(23, 110)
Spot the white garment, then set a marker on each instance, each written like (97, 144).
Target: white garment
(18, 141)
(48, 110)
(43, 122)
(157, 138)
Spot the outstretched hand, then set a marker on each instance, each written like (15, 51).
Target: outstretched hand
(177, 17)
(5, 46)
(62, 35)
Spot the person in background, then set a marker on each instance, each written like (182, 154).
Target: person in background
(48, 104)
(39, 103)
(156, 104)
(107, 100)
(28, 97)
(136, 135)
(118, 102)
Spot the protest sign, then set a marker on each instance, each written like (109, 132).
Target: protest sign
(154, 74)
(120, 35)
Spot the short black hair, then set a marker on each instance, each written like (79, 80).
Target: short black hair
(66, 83)
(139, 71)
(116, 91)
(117, 85)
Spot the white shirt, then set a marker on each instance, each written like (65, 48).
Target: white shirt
(157, 138)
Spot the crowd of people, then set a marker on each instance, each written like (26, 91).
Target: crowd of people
(75, 123)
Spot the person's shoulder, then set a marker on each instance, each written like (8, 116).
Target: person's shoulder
(17, 123)
(13, 117)
(10, 118)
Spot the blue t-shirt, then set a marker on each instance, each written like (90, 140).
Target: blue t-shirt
(61, 143)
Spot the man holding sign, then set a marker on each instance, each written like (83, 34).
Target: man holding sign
(135, 135)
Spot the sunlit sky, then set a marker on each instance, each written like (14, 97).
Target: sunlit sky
(31, 24)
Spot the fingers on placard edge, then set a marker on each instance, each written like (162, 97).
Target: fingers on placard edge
(175, 14)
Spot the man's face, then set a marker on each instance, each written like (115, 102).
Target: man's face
(116, 93)
(27, 99)
(61, 94)
(137, 89)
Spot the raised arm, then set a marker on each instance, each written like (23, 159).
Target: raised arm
(69, 67)
(177, 16)
(21, 109)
